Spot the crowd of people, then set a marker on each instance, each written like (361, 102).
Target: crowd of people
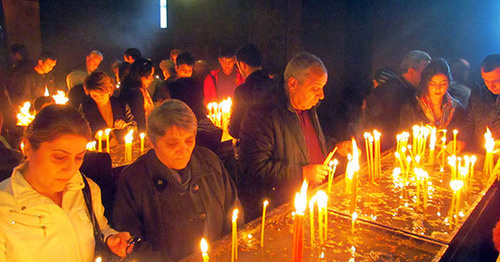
(180, 190)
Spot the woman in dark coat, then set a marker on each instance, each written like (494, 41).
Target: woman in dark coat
(103, 111)
(434, 106)
(176, 193)
(134, 90)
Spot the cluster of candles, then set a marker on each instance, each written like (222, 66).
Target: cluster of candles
(24, 117)
(220, 113)
(373, 159)
(351, 176)
(321, 200)
(104, 135)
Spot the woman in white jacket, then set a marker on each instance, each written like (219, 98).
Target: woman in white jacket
(43, 215)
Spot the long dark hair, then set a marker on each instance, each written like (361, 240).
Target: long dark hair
(140, 68)
(54, 121)
(436, 67)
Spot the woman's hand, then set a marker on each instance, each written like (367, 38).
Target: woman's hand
(120, 124)
(118, 243)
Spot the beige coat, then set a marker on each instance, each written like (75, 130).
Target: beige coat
(34, 228)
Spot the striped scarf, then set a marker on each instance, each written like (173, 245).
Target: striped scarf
(448, 108)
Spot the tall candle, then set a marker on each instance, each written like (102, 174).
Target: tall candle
(322, 200)
(99, 140)
(107, 131)
(455, 132)
(353, 221)
(129, 137)
(378, 169)
(264, 206)
(204, 249)
(142, 135)
(368, 155)
(432, 146)
(234, 253)
(333, 167)
(312, 202)
(298, 226)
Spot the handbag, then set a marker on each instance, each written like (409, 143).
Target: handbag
(101, 248)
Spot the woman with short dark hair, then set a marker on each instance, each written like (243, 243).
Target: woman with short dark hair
(43, 211)
(104, 111)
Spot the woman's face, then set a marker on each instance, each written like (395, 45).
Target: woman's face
(175, 147)
(438, 86)
(54, 163)
(147, 80)
(100, 97)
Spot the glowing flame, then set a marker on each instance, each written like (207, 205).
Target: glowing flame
(354, 216)
(129, 137)
(322, 199)
(421, 174)
(24, 117)
(235, 215)
(60, 97)
(489, 141)
(91, 146)
(204, 245)
(46, 91)
(142, 135)
(432, 142)
(456, 185)
(301, 199)
(225, 105)
(266, 203)
(107, 131)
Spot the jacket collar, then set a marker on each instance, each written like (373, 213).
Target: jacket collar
(25, 194)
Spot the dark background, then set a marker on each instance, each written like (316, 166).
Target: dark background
(353, 38)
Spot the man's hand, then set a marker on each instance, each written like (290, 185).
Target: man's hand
(315, 174)
(117, 243)
(345, 147)
(120, 124)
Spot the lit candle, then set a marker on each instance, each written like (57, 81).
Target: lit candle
(98, 259)
(455, 132)
(21, 146)
(416, 130)
(322, 200)
(489, 146)
(24, 117)
(99, 140)
(46, 93)
(472, 163)
(432, 146)
(456, 186)
(129, 137)
(107, 131)
(353, 221)
(204, 249)
(234, 253)
(91, 146)
(264, 206)
(142, 135)
(298, 226)
(312, 202)
(332, 168)
(378, 169)
(368, 154)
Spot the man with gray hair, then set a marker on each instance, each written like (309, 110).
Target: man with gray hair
(385, 102)
(92, 62)
(282, 142)
(176, 193)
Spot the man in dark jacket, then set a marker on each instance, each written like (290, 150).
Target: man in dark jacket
(385, 102)
(255, 88)
(175, 194)
(282, 142)
(484, 104)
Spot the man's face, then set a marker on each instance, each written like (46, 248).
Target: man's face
(492, 80)
(47, 65)
(227, 64)
(420, 69)
(184, 70)
(305, 95)
(93, 61)
(175, 147)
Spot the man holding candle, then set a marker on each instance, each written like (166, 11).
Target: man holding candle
(484, 105)
(176, 193)
(282, 142)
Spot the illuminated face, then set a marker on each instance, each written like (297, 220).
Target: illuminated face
(492, 80)
(47, 66)
(93, 61)
(184, 71)
(227, 64)
(175, 147)
(54, 163)
(101, 98)
(438, 86)
(305, 95)
(147, 80)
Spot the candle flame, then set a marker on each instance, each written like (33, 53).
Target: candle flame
(24, 117)
(60, 98)
(489, 141)
(107, 131)
(322, 199)
(266, 203)
(46, 93)
(456, 185)
(301, 199)
(99, 134)
(98, 259)
(235, 215)
(204, 245)
(354, 216)
(91, 146)
(129, 137)
(421, 174)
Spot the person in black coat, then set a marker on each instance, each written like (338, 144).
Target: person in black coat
(434, 106)
(103, 111)
(176, 193)
(134, 90)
